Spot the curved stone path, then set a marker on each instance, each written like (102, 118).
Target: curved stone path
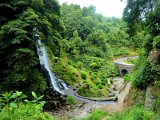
(83, 109)
(109, 100)
(121, 60)
(114, 107)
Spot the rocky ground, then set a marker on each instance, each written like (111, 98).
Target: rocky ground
(82, 109)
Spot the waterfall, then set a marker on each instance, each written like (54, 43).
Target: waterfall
(59, 85)
(44, 62)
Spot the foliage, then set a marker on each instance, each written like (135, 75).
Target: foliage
(137, 112)
(143, 19)
(144, 76)
(131, 61)
(134, 113)
(14, 105)
(19, 60)
(70, 100)
(127, 77)
(67, 72)
(156, 42)
(96, 115)
(83, 75)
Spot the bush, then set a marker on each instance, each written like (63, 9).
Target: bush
(104, 81)
(156, 42)
(83, 75)
(100, 86)
(143, 76)
(94, 65)
(148, 43)
(14, 107)
(70, 100)
(66, 72)
(96, 115)
(126, 77)
(136, 112)
(139, 113)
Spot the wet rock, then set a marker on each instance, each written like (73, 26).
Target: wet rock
(54, 100)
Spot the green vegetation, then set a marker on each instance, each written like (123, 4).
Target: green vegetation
(145, 25)
(15, 106)
(131, 61)
(81, 45)
(136, 112)
(70, 100)
(146, 71)
(89, 43)
(20, 22)
(96, 115)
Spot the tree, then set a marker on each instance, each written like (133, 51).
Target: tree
(19, 60)
(146, 13)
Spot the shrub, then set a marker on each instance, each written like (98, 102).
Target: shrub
(94, 65)
(156, 42)
(70, 62)
(70, 100)
(96, 115)
(136, 112)
(139, 113)
(100, 86)
(148, 43)
(66, 72)
(143, 76)
(104, 81)
(83, 75)
(14, 107)
(97, 82)
(126, 77)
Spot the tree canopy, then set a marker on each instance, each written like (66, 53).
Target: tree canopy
(18, 55)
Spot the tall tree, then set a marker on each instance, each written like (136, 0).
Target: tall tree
(18, 55)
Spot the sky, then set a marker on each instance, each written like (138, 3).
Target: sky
(109, 8)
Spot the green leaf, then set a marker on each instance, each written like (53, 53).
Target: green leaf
(13, 105)
(13, 95)
(18, 93)
(34, 95)
(39, 98)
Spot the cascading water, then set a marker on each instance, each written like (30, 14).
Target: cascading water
(44, 62)
(57, 85)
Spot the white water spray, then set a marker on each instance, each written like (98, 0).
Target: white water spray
(44, 61)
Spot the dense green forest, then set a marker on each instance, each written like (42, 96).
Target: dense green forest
(89, 44)
(81, 45)
(19, 60)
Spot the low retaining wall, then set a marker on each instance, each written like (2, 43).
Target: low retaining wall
(115, 98)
